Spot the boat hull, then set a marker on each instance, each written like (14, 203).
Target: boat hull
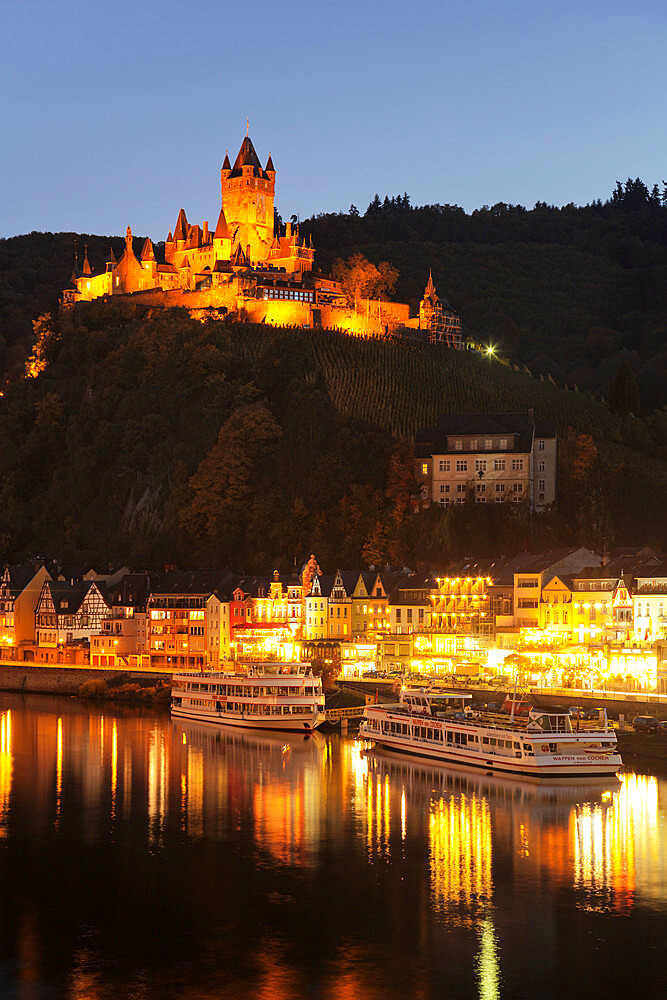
(270, 724)
(605, 766)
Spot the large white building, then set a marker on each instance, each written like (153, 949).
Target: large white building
(487, 458)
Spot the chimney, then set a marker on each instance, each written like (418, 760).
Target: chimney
(205, 236)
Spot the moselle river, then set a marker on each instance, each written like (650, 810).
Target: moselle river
(142, 858)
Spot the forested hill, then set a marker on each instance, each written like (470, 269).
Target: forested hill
(577, 293)
(574, 292)
(169, 440)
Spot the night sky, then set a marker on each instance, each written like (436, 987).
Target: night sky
(121, 112)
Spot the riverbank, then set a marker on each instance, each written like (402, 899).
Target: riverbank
(86, 682)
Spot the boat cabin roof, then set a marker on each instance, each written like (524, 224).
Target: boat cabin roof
(424, 694)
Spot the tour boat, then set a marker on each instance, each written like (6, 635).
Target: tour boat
(543, 744)
(283, 696)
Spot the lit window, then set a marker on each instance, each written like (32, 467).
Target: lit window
(424, 468)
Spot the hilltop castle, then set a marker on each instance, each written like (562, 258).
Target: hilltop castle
(247, 267)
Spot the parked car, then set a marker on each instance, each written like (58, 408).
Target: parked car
(645, 724)
(662, 726)
(370, 673)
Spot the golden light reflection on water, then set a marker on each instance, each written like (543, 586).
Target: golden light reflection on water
(6, 767)
(460, 855)
(59, 770)
(611, 838)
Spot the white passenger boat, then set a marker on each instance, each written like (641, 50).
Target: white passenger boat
(282, 696)
(543, 744)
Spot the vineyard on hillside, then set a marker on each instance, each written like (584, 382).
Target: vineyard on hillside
(404, 385)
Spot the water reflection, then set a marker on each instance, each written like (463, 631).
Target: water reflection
(200, 861)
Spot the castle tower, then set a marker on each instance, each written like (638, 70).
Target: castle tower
(247, 196)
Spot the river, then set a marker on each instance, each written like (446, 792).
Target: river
(147, 859)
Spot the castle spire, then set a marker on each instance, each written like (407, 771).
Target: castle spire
(128, 240)
(221, 229)
(75, 270)
(181, 230)
(430, 292)
(86, 270)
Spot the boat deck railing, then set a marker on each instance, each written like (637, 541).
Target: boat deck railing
(502, 722)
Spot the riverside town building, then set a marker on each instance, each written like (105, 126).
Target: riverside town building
(248, 267)
(568, 618)
(487, 458)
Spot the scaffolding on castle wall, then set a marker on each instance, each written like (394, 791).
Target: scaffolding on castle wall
(445, 328)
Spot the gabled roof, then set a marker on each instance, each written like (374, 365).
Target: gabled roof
(221, 230)
(68, 597)
(239, 258)
(20, 576)
(325, 583)
(349, 580)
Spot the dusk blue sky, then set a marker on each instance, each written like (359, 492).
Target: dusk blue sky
(117, 113)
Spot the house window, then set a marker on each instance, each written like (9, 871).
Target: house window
(409, 616)
(517, 488)
(398, 614)
(502, 444)
(541, 465)
(458, 445)
(473, 444)
(499, 465)
(500, 487)
(424, 468)
(540, 485)
(444, 501)
(444, 465)
(517, 465)
(540, 445)
(480, 487)
(480, 465)
(461, 488)
(444, 488)
(462, 465)
(488, 444)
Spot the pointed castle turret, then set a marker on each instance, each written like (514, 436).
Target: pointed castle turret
(86, 270)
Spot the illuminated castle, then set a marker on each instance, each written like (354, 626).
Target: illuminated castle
(245, 267)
